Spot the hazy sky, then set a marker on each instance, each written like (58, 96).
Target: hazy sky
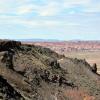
(50, 19)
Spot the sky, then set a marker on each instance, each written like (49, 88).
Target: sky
(50, 19)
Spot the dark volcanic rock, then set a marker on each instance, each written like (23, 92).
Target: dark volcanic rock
(7, 92)
(6, 45)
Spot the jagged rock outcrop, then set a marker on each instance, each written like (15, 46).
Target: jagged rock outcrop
(7, 45)
(37, 73)
(94, 68)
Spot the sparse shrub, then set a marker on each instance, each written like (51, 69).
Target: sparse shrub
(78, 95)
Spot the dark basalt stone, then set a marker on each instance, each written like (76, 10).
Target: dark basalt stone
(8, 91)
(7, 45)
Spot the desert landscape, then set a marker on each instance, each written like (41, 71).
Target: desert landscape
(49, 49)
(88, 50)
(33, 72)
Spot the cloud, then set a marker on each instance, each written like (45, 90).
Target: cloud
(11, 6)
(4, 7)
(50, 16)
(54, 8)
(24, 9)
(39, 23)
(92, 8)
(71, 3)
(48, 7)
(88, 6)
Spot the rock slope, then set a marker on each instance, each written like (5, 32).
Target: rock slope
(29, 72)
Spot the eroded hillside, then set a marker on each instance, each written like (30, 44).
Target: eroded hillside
(37, 73)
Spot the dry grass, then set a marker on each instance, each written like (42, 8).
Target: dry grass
(91, 57)
(78, 95)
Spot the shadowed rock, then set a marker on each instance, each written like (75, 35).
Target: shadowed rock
(8, 92)
(6, 45)
(94, 68)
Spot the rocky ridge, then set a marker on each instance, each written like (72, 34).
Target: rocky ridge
(37, 73)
